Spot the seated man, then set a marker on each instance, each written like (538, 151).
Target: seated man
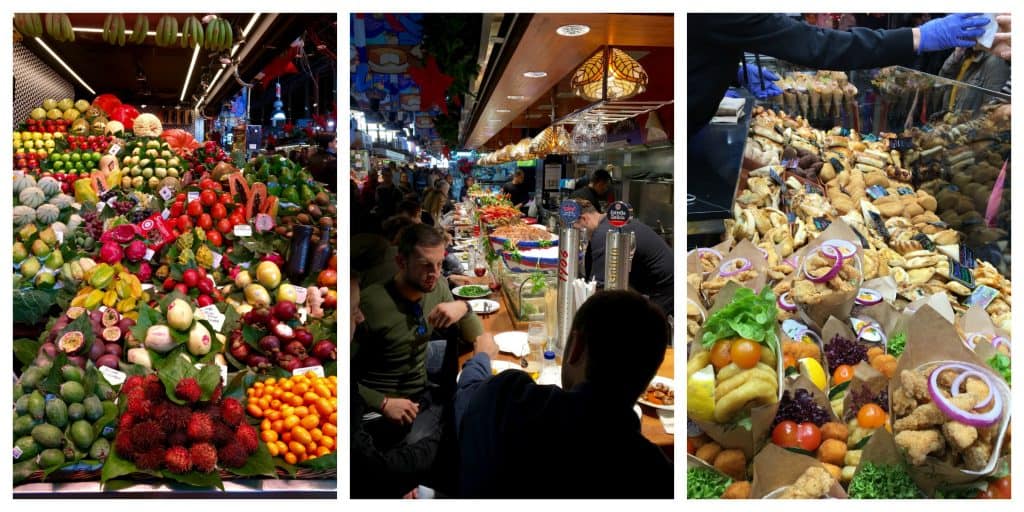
(518, 439)
(390, 355)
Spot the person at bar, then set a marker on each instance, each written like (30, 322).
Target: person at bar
(516, 189)
(518, 439)
(596, 189)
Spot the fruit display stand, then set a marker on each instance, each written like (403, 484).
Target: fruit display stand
(175, 315)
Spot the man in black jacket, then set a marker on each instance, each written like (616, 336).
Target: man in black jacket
(596, 189)
(716, 42)
(518, 439)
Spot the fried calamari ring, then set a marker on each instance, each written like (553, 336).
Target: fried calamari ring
(754, 392)
(697, 362)
(769, 377)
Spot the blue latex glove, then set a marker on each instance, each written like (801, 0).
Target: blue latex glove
(753, 81)
(731, 93)
(951, 31)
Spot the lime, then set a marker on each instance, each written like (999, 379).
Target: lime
(700, 394)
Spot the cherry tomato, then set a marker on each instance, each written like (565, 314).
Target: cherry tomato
(237, 218)
(218, 211)
(184, 223)
(194, 208)
(177, 209)
(1000, 488)
(808, 436)
(984, 494)
(843, 373)
(720, 357)
(785, 434)
(206, 184)
(214, 237)
(226, 198)
(871, 416)
(180, 198)
(745, 353)
(205, 221)
(788, 361)
(208, 197)
(224, 225)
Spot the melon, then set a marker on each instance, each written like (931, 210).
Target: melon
(113, 128)
(47, 214)
(24, 215)
(49, 185)
(32, 197)
(62, 201)
(147, 125)
(23, 182)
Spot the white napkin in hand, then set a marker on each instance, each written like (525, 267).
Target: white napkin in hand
(513, 342)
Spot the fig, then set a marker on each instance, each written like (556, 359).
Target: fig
(295, 348)
(270, 344)
(71, 342)
(112, 333)
(115, 349)
(284, 311)
(258, 316)
(325, 350)
(158, 338)
(109, 318)
(199, 340)
(140, 356)
(108, 360)
(302, 335)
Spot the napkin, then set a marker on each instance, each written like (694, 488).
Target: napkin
(668, 421)
(513, 342)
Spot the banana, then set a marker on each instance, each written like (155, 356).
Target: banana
(70, 30)
(211, 29)
(172, 31)
(37, 25)
(197, 29)
(49, 25)
(106, 27)
(121, 36)
(230, 33)
(160, 31)
(19, 24)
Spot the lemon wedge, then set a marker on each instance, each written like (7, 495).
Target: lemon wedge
(700, 394)
(811, 368)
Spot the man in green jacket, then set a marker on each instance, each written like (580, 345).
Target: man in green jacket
(402, 316)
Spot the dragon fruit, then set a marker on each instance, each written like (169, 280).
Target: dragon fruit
(136, 251)
(145, 272)
(274, 257)
(121, 234)
(111, 253)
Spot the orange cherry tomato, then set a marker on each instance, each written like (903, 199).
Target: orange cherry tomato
(745, 353)
(788, 361)
(871, 416)
(843, 373)
(720, 357)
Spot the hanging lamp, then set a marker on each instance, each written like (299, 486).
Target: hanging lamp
(610, 74)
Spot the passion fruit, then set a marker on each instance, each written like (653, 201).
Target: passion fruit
(110, 318)
(111, 333)
(71, 342)
(75, 311)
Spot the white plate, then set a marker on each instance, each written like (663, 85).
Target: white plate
(513, 342)
(663, 380)
(484, 306)
(457, 291)
(500, 366)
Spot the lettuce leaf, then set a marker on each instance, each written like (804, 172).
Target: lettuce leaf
(748, 316)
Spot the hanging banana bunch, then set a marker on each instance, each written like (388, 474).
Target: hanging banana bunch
(166, 31)
(28, 25)
(58, 26)
(192, 33)
(140, 29)
(219, 35)
(114, 29)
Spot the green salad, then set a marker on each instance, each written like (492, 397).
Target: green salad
(705, 484)
(473, 290)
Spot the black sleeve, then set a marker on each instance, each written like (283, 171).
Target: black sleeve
(596, 250)
(797, 42)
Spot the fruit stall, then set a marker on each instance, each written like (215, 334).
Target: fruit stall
(851, 330)
(174, 302)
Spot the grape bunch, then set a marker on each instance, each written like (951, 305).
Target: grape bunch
(92, 225)
(138, 216)
(107, 195)
(123, 207)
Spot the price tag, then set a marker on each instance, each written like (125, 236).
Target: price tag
(223, 372)
(166, 193)
(111, 201)
(214, 316)
(821, 223)
(793, 329)
(792, 163)
(300, 294)
(264, 222)
(981, 296)
(217, 258)
(836, 164)
(960, 273)
(243, 230)
(318, 370)
(166, 214)
(60, 236)
(17, 452)
(812, 189)
(901, 143)
(905, 191)
(876, 219)
(775, 176)
(791, 217)
(925, 242)
(114, 377)
(876, 191)
(100, 206)
(967, 257)
(115, 148)
(147, 286)
(149, 255)
(193, 196)
(303, 315)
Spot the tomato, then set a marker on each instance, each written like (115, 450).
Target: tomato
(745, 353)
(984, 494)
(180, 198)
(214, 237)
(177, 209)
(237, 218)
(218, 211)
(1000, 488)
(205, 221)
(785, 434)
(184, 223)
(871, 416)
(194, 209)
(691, 447)
(720, 354)
(843, 373)
(808, 436)
(226, 198)
(788, 361)
(206, 184)
(208, 197)
(224, 225)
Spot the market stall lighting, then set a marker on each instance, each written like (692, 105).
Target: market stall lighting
(516, 98)
(188, 76)
(535, 74)
(65, 65)
(625, 76)
(572, 30)
(252, 22)
(503, 111)
(127, 32)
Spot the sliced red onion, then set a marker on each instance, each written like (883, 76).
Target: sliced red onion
(744, 266)
(785, 302)
(1001, 341)
(970, 418)
(846, 248)
(862, 334)
(868, 297)
(954, 388)
(707, 250)
(836, 255)
(763, 252)
(971, 337)
(812, 334)
(792, 261)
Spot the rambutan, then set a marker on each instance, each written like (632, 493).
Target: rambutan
(138, 406)
(217, 391)
(123, 445)
(212, 410)
(155, 391)
(222, 433)
(147, 435)
(247, 437)
(188, 390)
(153, 459)
(232, 455)
(231, 411)
(178, 459)
(204, 457)
(126, 422)
(131, 383)
(200, 427)
(178, 437)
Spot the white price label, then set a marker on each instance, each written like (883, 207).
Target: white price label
(214, 316)
(166, 193)
(114, 377)
(17, 452)
(147, 286)
(60, 236)
(264, 222)
(217, 258)
(149, 255)
(114, 149)
(300, 295)
(103, 309)
(193, 196)
(223, 372)
(111, 201)
(318, 370)
(243, 230)
(166, 213)
(77, 206)
(100, 206)
(302, 315)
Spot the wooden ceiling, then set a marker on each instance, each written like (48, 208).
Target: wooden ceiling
(542, 49)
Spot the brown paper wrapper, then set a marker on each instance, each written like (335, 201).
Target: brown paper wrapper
(885, 285)
(693, 262)
(820, 397)
(883, 314)
(931, 340)
(977, 320)
(693, 297)
(864, 376)
(775, 468)
(836, 304)
(746, 249)
(881, 450)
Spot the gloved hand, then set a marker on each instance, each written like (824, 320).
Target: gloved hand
(753, 81)
(951, 31)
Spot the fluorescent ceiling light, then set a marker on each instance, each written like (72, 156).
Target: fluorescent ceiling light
(535, 74)
(252, 21)
(65, 64)
(503, 111)
(127, 32)
(572, 30)
(188, 76)
(516, 98)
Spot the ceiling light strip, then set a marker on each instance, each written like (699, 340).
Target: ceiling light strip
(127, 32)
(252, 22)
(188, 76)
(66, 66)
